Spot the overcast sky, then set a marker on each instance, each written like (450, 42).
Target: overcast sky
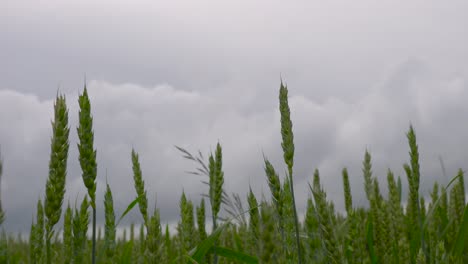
(192, 73)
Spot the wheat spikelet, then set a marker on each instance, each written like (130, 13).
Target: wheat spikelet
(140, 187)
(153, 241)
(367, 172)
(347, 192)
(67, 235)
(109, 231)
(201, 220)
(254, 223)
(276, 192)
(80, 228)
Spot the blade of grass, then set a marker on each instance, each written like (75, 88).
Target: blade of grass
(198, 253)
(129, 208)
(234, 255)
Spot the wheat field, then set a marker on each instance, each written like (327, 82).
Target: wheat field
(388, 230)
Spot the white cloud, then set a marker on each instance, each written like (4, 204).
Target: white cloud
(328, 136)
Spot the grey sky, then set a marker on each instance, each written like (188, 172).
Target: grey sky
(191, 73)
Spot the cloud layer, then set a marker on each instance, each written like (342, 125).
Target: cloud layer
(192, 74)
(328, 136)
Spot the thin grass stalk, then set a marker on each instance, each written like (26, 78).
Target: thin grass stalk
(288, 153)
(2, 213)
(459, 190)
(4, 255)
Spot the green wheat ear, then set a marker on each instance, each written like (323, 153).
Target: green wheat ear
(38, 242)
(288, 154)
(140, 187)
(254, 224)
(413, 208)
(219, 181)
(275, 188)
(86, 146)
(286, 128)
(55, 186)
(367, 172)
(87, 157)
(201, 220)
(109, 231)
(154, 239)
(80, 228)
(347, 192)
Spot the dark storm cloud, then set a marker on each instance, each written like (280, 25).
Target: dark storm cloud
(190, 74)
